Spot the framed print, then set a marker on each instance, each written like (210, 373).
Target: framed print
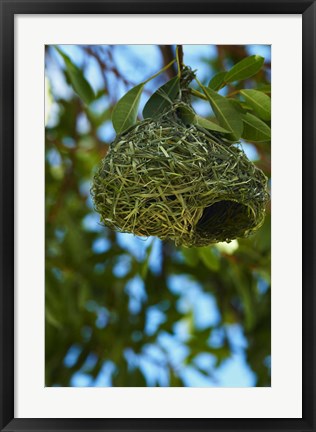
(157, 237)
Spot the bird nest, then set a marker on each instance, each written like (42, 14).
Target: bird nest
(166, 179)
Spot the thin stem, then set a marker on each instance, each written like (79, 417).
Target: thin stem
(199, 82)
(198, 94)
(233, 93)
(159, 72)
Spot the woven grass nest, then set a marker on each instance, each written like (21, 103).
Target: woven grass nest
(180, 182)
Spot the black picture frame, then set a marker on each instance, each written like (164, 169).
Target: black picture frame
(8, 9)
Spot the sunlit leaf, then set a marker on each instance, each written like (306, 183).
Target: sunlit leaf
(255, 129)
(125, 111)
(217, 81)
(188, 117)
(208, 124)
(240, 106)
(259, 102)
(228, 117)
(244, 69)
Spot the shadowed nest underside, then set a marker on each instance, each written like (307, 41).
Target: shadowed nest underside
(163, 178)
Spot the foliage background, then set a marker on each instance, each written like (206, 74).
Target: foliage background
(121, 311)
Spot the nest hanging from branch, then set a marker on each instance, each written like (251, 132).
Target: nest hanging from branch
(163, 178)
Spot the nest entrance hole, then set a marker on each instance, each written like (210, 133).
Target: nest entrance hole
(223, 217)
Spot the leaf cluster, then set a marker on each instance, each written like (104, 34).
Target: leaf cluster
(245, 113)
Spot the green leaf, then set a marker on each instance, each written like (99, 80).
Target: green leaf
(265, 88)
(188, 117)
(225, 113)
(209, 259)
(145, 263)
(186, 114)
(162, 98)
(217, 81)
(51, 319)
(255, 129)
(240, 106)
(98, 119)
(244, 69)
(79, 83)
(125, 111)
(259, 102)
(208, 124)
(221, 353)
(191, 256)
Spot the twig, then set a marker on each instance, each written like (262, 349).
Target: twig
(179, 55)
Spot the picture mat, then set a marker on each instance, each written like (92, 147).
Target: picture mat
(284, 398)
